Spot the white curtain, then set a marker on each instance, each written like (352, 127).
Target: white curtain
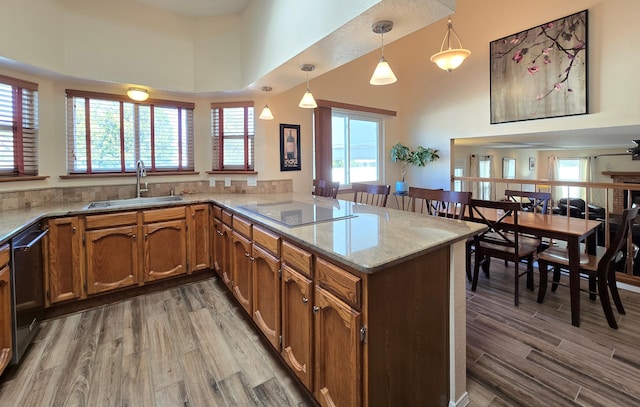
(473, 172)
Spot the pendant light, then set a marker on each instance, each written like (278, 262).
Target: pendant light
(266, 112)
(450, 58)
(383, 75)
(138, 94)
(307, 101)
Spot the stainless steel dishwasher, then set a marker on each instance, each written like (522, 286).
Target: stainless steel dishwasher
(27, 292)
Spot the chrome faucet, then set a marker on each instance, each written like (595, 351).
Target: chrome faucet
(140, 172)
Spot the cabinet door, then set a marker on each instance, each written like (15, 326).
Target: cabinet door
(199, 241)
(112, 258)
(338, 352)
(218, 251)
(6, 347)
(226, 248)
(242, 274)
(165, 253)
(63, 278)
(266, 294)
(297, 324)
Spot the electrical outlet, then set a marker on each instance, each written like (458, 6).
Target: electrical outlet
(252, 181)
(212, 182)
(227, 181)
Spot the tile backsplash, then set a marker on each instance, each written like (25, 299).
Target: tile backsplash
(37, 197)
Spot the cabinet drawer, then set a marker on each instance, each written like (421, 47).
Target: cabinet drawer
(157, 215)
(242, 226)
(339, 282)
(217, 212)
(111, 220)
(4, 255)
(226, 218)
(267, 239)
(296, 258)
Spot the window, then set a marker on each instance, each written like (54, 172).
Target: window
(232, 134)
(459, 170)
(356, 140)
(18, 127)
(569, 170)
(485, 171)
(109, 134)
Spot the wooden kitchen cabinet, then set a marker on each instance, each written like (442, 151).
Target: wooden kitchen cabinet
(165, 241)
(297, 316)
(338, 341)
(111, 252)
(266, 283)
(222, 243)
(6, 341)
(241, 263)
(199, 238)
(63, 266)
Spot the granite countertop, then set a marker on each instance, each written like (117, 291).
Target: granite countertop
(367, 239)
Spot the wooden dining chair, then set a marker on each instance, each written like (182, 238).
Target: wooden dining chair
(325, 188)
(530, 201)
(437, 202)
(598, 268)
(371, 194)
(501, 240)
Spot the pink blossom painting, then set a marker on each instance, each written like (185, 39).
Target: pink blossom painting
(540, 72)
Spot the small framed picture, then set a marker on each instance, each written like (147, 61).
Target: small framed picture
(532, 163)
(290, 147)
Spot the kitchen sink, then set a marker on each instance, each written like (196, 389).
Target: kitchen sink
(133, 201)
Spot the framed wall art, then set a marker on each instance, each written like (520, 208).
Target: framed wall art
(540, 72)
(290, 147)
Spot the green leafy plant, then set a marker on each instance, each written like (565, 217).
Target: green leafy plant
(419, 157)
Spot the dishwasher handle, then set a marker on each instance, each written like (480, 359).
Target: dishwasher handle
(25, 247)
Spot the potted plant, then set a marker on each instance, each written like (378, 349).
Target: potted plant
(419, 157)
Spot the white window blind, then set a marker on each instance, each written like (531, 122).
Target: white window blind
(108, 133)
(18, 127)
(232, 131)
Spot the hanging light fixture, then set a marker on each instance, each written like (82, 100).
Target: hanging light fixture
(138, 94)
(383, 75)
(266, 112)
(450, 58)
(307, 101)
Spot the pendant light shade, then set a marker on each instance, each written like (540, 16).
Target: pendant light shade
(307, 101)
(382, 75)
(266, 112)
(450, 58)
(138, 94)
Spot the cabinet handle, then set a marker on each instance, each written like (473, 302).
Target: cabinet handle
(133, 237)
(146, 236)
(316, 308)
(252, 258)
(74, 229)
(305, 300)
(246, 254)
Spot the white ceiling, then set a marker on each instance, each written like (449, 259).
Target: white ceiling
(199, 8)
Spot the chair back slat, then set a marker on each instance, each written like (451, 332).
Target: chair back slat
(619, 241)
(325, 188)
(498, 231)
(371, 194)
(437, 202)
(529, 200)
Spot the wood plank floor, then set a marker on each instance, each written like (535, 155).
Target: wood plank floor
(531, 355)
(189, 346)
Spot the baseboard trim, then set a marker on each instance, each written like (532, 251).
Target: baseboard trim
(463, 401)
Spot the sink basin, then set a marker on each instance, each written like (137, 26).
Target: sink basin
(133, 201)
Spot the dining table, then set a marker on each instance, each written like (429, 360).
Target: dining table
(556, 227)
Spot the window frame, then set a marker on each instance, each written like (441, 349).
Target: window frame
(217, 140)
(349, 115)
(186, 136)
(24, 128)
(322, 134)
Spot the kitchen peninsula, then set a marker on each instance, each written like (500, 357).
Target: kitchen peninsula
(369, 302)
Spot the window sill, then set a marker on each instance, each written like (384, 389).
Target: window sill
(248, 172)
(23, 178)
(127, 174)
